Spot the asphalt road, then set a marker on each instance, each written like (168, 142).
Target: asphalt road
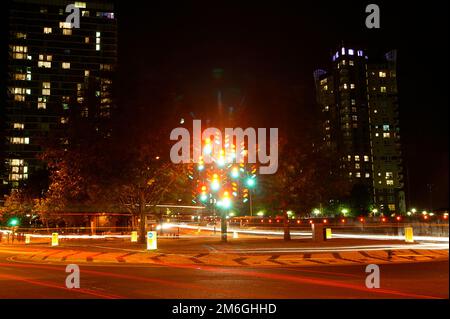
(411, 280)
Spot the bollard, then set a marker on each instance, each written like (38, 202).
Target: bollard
(55, 239)
(409, 238)
(151, 240)
(317, 232)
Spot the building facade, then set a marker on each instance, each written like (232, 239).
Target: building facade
(358, 103)
(56, 70)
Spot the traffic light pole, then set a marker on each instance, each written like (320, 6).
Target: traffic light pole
(223, 228)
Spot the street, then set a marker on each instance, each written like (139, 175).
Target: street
(40, 280)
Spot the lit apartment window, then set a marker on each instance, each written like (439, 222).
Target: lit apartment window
(18, 126)
(86, 72)
(85, 13)
(344, 62)
(377, 134)
(360, 53)
(352, 86)
(19, 76)
(357, 166)
(357, 158)
(358, 174)
(386, 135)
(97, 41)
(65, 65)
(80, 4)
(386, 128)
(45, 61)
(20, 35)
(366, 158)
(343, 51)
(19, 98)
(67, 31)
(350, 174)
(351, 52)
(42, 102)
(382, 74)
(47, 30)
(325, 87)
(351, 62)
(391, 207)
(383, 89)
(19, 52)
(64, 120)
(65, 25)
(345, 86)
(355, 118)
(324, 81)
(353, 102)
(367, 175)
(389, 182)
(86, 39)
(349, 158)
(19, 140)
(389, 175)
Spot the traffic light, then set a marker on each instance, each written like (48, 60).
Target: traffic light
(215, 184)
(12, 222)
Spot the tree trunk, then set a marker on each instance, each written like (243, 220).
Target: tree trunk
(287, 233)
(223, 228)
(142, 219)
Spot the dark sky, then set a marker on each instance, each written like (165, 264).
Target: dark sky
(279, 44)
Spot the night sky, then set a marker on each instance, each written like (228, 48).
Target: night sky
(276, 46)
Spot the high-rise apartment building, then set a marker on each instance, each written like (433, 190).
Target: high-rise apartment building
(56, 70)
(359, 107)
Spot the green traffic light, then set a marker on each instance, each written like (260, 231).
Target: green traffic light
(250, 182)
(13, 222)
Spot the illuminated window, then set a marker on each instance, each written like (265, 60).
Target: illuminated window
(45, 61)
(355, 117)
(65, 65)
(19, 140)
(357, 166)
(343, 51)
(357, 158)
(386, 135)
(42, 102)
(377, 134)
(64, 120)
(351, 52)
(97, 47)
(19, 52)
(353, 102)
(18, 126)
(20, 35)
(19, 98)
(80, 4)
(366, 158)
(345, 86)
(85, 13)
(352, 86)
(20, 76)
(67, 31)
(367, 175)
(358, 174)
(86, 72)
(385, 127)
(351, 62)
(325, 87)
(65, 25)
(360, 53)
(390, 182)
(389, 175)
(391, 207)
(382, 74)
(47, 30)
(86, 39)
(383, 89)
